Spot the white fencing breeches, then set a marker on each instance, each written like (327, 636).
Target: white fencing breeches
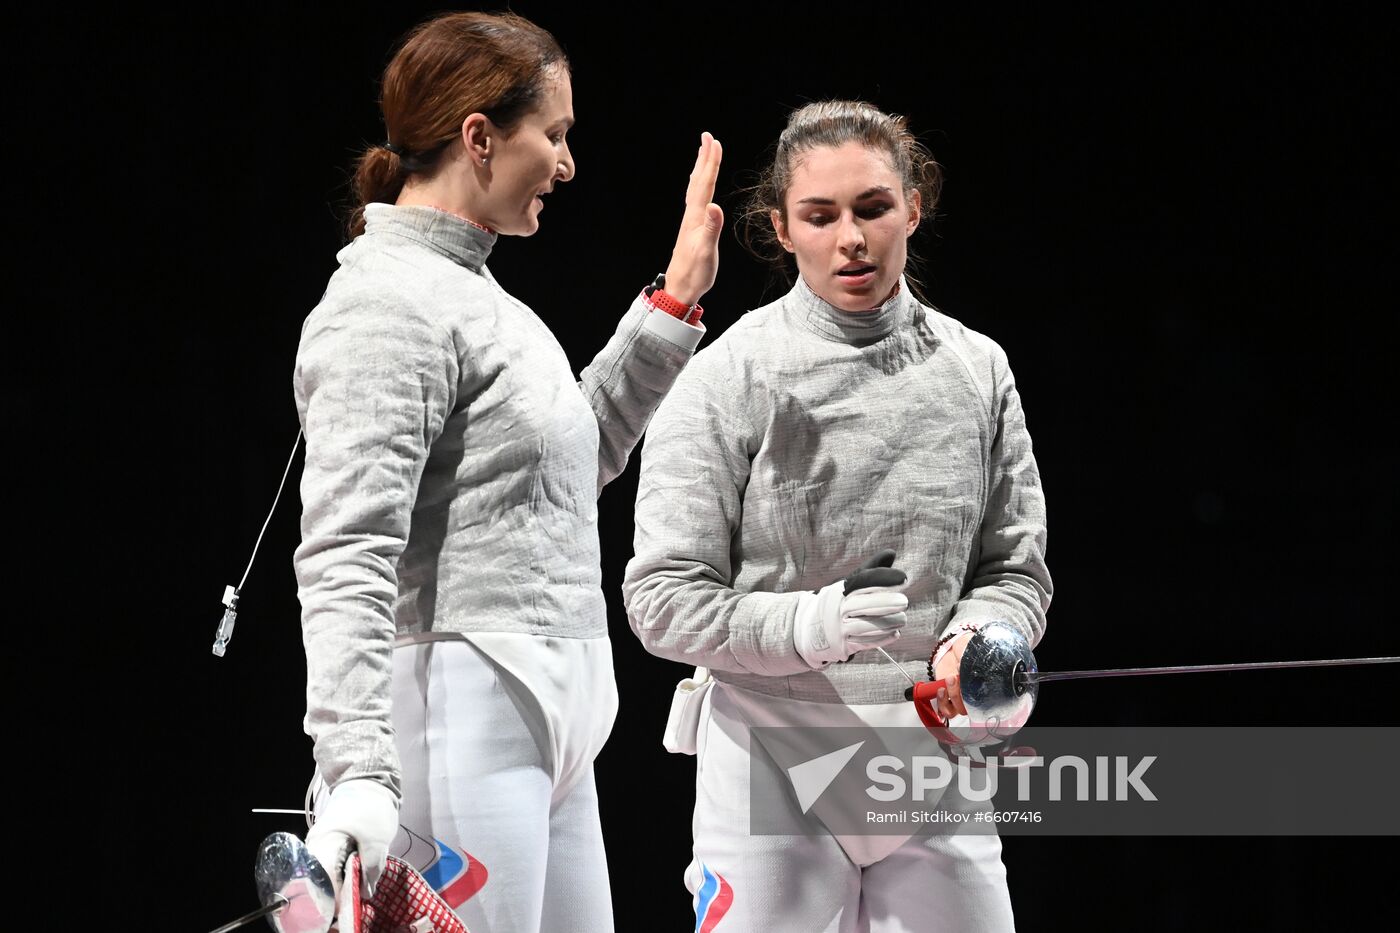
(810, 884)
(484, 787)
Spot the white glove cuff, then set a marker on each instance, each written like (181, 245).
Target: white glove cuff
(816, 628)
(356, 796)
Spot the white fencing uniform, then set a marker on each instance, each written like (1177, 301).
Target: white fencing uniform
(453, 465)
(799, 444)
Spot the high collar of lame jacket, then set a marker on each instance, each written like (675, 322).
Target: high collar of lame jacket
(462, 242)
(859, 327)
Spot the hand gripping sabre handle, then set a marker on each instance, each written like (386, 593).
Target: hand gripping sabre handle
(923, 695)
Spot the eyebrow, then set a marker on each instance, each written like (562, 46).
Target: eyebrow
(867, 193)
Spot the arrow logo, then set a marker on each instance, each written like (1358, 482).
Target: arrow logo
(811, 778)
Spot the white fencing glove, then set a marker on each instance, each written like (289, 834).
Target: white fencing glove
(860, 612)
(360, 815)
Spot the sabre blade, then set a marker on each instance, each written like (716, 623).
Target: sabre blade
(248, 918)
(1042, 677)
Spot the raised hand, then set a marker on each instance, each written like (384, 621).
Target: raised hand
(695, 258)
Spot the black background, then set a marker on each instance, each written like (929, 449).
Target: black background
(1178, 224)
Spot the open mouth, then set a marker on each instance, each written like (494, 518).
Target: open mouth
(856, 271)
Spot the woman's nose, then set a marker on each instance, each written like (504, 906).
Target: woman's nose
(566, 164)
(850, 238)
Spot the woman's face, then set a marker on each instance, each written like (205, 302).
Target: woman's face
(526, 163)
(847, 222)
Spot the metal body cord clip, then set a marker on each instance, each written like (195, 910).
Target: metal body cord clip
(224, 634)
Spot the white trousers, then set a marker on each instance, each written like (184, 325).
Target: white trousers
(484, 786)
(819, 884)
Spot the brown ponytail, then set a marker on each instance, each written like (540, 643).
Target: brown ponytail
(443, 71)
(377, 178)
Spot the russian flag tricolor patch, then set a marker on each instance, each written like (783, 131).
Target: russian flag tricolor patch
(712, 901)
(455, 876)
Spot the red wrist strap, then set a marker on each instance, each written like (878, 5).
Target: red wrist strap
(662, 300)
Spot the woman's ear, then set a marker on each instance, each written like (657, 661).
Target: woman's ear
(916, 202)
(477, 132)
(775, 217)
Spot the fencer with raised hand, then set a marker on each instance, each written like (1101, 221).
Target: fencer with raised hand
(861, 612)
(446, 429)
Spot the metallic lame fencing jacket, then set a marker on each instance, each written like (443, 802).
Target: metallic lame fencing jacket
(801, 442)
(453, 466)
